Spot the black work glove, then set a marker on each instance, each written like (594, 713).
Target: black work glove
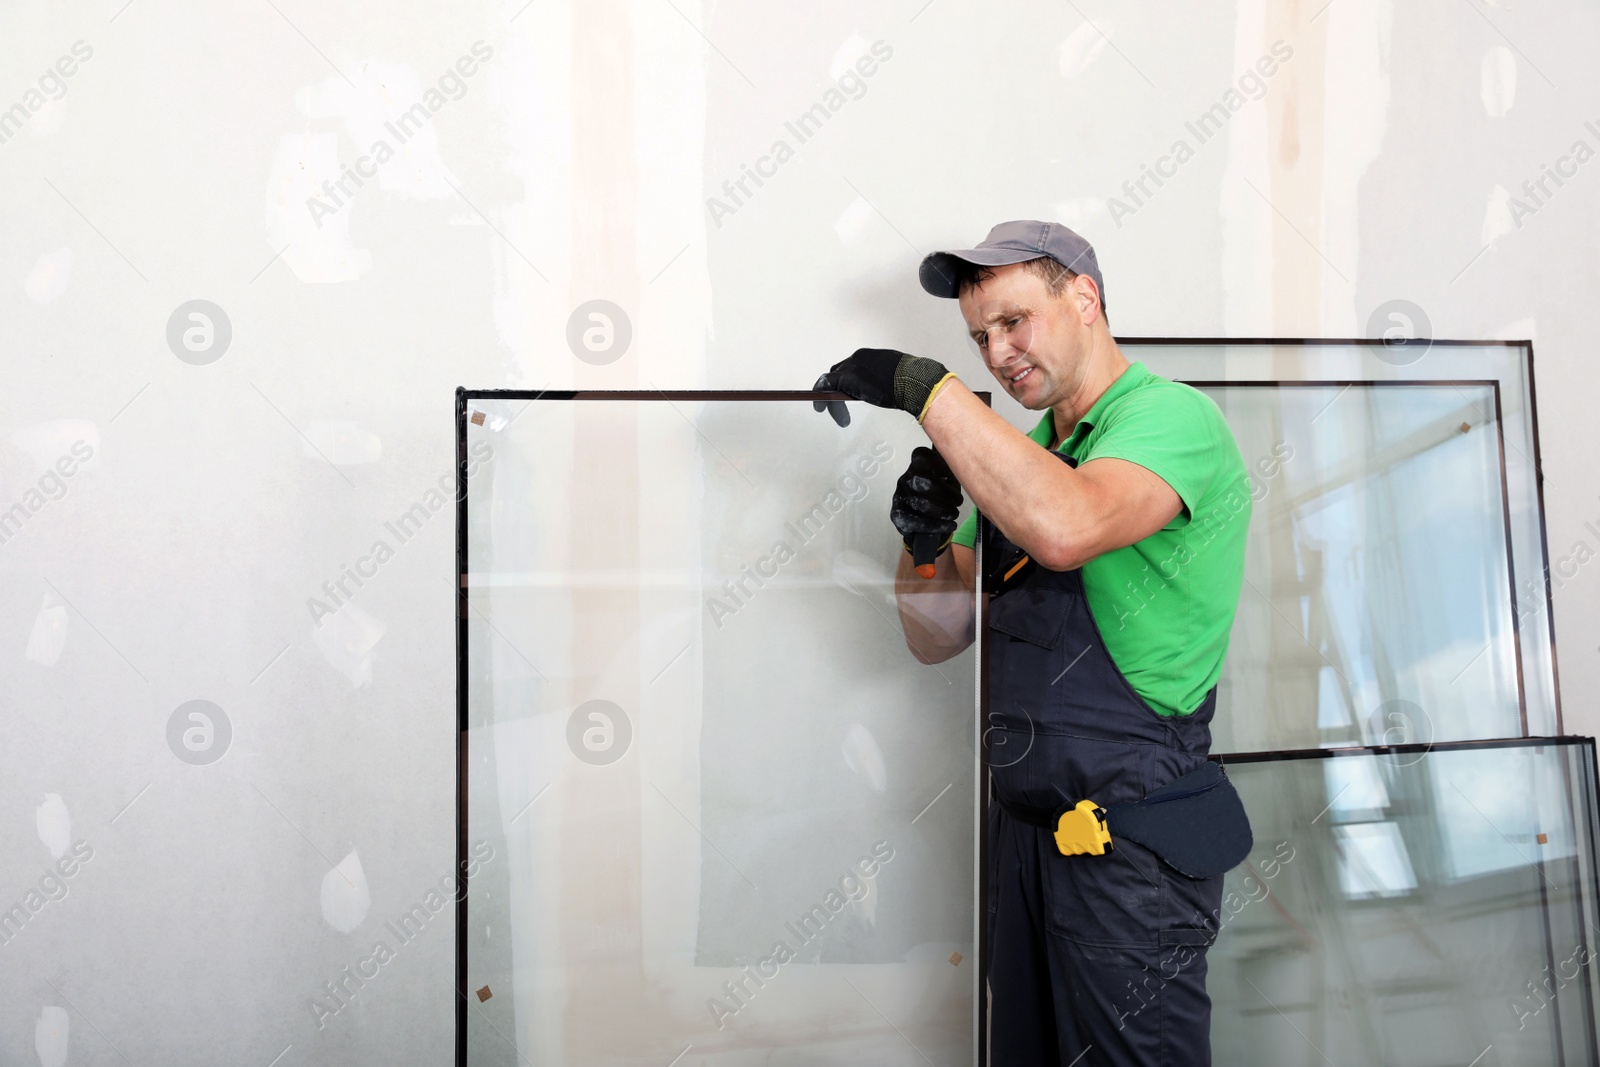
(926, 501)
(883, 378)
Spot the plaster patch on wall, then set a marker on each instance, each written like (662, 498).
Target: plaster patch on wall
(50, 1036)
(48, 638)
(527, 92)
(316, 253)
(345, 894)
(49, 276)
(852, 221)
(1499, 81)
(48, 120)
(869, 902)
(383, 94)
(1082, 47)
(349, 642)
(845, 57)
(389, 144)
(863, 756)
(1497, 221)
(1355, 120)
(1248, 272)
(54, 824)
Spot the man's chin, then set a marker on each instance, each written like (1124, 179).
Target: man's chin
(1031, 400)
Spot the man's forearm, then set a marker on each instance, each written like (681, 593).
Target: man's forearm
(938, 614)
(1032, 496)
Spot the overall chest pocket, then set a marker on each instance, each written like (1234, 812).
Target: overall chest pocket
(1037, 615)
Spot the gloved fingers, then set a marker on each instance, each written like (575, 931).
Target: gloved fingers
(930, 497)
(908, 531)
(908, 518)
(868, 375)
(913, 514)
(876, 356)
(911, 525)
(828, 383)
(926, 461)
(929, 475)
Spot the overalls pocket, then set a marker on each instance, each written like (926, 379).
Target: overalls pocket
(1036, 615)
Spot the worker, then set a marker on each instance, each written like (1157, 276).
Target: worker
(1114, 539)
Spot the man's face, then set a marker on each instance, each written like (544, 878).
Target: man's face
(1033, 343)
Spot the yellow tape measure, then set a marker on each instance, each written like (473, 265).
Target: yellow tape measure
(1082, 830)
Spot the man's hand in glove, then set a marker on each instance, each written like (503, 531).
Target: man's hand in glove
(926, 501)
(883, 378)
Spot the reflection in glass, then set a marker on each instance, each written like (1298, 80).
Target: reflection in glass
(1373, 861)
(1377, 609)
(1396, 584)
(1408, 911)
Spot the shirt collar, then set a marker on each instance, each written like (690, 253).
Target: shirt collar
(1126, 382)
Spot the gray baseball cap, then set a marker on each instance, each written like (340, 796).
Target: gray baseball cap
(1014, 242)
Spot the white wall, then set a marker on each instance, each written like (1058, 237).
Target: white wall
(575, 165)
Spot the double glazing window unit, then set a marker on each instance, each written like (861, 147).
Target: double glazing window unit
(712, 808)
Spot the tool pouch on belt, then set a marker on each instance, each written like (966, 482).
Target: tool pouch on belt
(1195, 823)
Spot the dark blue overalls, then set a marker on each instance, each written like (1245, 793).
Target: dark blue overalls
(1094, 960)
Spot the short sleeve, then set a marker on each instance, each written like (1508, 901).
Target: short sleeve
(1177, 433)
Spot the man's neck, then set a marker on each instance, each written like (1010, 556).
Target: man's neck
(1104, 365)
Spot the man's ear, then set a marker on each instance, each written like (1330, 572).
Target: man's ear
(1087, 298)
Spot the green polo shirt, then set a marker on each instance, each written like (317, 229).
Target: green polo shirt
(1164, 605)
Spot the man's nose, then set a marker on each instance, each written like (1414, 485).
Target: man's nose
(1000, 350)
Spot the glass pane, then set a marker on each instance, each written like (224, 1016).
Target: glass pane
(1377, 607)
(1412, 909)
(1395, 576)
(728, 810)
